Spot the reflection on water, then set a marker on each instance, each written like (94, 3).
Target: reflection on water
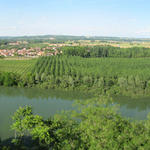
(134, 108)
(36, 93)
(49, 102)
(44, 102)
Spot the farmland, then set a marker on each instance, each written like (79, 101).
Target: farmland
(95, 67)
(116, 75)
(17, 66)
(126, 76)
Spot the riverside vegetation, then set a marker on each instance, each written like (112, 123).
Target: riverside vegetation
(96, 125)
(126, 76)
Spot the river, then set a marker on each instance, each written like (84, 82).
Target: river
(49, 102)
(44, 102)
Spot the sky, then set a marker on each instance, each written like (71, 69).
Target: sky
(123, 18)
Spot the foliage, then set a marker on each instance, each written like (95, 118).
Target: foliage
(106, 51)
(96, 125)
(1, 57)
(113, 75)
(49, 133)
(8, 79)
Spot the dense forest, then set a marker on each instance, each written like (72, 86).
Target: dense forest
(106, 51)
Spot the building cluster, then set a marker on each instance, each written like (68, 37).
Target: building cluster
(18, 43)
(32, 52)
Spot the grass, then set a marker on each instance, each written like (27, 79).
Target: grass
(17, 66)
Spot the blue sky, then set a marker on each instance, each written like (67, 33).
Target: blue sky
(125, 18)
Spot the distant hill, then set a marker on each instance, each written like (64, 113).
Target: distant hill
(69, 37)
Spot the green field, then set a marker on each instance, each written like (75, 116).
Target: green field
(77, 65)
(126, 76)
(17, 66)
(95, 67)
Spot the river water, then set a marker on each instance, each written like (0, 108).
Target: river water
(134, 108)
(49, 102)
(44, 102)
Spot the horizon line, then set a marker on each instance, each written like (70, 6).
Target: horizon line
(87, 36)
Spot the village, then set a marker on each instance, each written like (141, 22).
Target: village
(30, 52)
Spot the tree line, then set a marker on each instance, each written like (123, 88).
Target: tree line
(106, 51)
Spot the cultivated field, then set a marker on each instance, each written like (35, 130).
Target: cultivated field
(121, 44)
(94, 67)
(17, 66)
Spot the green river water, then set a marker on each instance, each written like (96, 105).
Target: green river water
(49, 102)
